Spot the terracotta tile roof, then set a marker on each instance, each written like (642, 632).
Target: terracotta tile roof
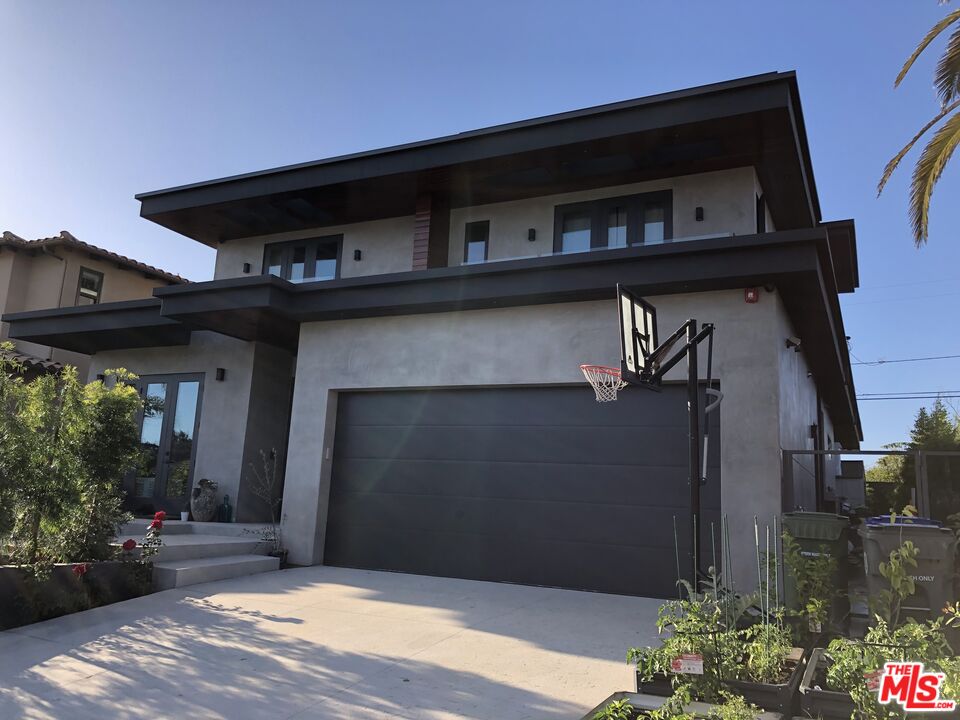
(31, 362)
(68, 240)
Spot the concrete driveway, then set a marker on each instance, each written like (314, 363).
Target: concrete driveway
(325, 642)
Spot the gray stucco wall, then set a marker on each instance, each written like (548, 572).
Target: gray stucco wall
(223, 413)
(535, 345)
(728, 198)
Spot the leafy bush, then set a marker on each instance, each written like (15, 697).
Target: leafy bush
(813, 577)
(64, 449)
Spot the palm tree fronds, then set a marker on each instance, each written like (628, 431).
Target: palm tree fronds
(929, 38)
(927, 172)
(947, 77)
(895, 161)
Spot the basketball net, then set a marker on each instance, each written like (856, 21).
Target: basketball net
(606, 381)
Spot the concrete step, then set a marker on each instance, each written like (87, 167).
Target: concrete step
(189, 546)
(180, 573)
(138, 527)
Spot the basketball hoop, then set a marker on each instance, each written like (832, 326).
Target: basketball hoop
(606, 381)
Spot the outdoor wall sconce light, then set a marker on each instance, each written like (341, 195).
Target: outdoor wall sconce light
(246, 268)
(357, 255)
(698, 213)
(532, 234)
(221, 374)
(793, 343)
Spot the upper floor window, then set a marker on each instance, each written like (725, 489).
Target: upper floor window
(304, 260)
(614, 222)
(476, 241)
(89, 287)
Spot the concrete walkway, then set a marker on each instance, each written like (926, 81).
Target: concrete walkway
(326, 642)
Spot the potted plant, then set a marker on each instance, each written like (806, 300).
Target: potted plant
(185, 511)
(708, 653)
(839, 681)
(627, 706)
(203, 500)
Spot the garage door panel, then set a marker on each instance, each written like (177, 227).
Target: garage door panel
(613, 569)
(624, 484)
(457, 407)
(523, 519)
(518, 444)
(538, 485)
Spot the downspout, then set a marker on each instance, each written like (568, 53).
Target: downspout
(63, 281)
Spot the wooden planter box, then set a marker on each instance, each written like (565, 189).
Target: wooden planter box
(827, 704)
(24, 600)
(643, 703)
(781, 698)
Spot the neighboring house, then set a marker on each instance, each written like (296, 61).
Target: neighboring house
(63, 272)
(414, 319)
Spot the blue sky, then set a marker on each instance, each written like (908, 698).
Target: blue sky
(102, 100)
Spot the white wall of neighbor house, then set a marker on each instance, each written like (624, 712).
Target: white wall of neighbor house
(225, 405)
(728, 198)
(533, 346)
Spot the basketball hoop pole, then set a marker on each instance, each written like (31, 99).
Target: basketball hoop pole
(693, 412)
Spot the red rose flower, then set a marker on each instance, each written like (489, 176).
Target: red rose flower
(80, 569)
(161, 516)
(158, 524)
(129, 545)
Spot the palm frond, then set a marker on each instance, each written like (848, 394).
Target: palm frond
(895, 161)
(927, 172)
(928, 38)
(947, 76)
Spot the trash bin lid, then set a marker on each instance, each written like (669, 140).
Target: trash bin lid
(903, 520)
(815, 525)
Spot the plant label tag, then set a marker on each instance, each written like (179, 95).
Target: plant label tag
(873, 680)
(815, 626)
(688, 664)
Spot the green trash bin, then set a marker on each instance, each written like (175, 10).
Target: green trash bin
(817, 534)
(934, 575)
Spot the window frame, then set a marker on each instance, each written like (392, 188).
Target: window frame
(311, 245)
(96, 300)
(486, 241)
(599, 211)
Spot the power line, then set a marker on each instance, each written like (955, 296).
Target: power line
(912, 397)
(912, 392)
(904, 360)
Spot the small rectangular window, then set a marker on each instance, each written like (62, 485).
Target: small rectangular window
(613, 222)
(617, 226)
(326, 262)
(654, 223)
(89, 287)
(275, 261)
(476, 241)
(298, 264)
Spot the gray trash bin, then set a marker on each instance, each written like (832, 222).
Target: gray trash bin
(934, 574)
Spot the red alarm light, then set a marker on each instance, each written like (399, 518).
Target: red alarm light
(751, 295)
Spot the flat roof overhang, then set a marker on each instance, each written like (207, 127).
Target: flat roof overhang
(268, 309)
(755, 121)
(95, 328)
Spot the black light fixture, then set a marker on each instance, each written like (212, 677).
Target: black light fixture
(101, 377)
(357, 254)
(246, 268)
(699, 213)
(532, 234)
(221, 374)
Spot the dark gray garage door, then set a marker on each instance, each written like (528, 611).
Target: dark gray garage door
(542, 486)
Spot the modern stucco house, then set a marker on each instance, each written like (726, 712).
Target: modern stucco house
(405, 326)
(61, 272)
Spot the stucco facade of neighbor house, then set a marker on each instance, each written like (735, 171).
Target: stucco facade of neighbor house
(403, 328)
(49, 272)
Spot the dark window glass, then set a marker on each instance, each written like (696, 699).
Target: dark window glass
(761, 214)
(89, 287)
(298, 264)
(326, 268)
(477, 237)
(654, 224)
(617, 227)
(154, 404)
(275, 261)
(575, 234)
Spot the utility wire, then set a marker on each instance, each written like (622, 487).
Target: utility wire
(912, 397)
(904, 360)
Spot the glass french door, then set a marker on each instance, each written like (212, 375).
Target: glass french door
(168, 443)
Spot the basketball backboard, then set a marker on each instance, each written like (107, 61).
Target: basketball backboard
(638, 335)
